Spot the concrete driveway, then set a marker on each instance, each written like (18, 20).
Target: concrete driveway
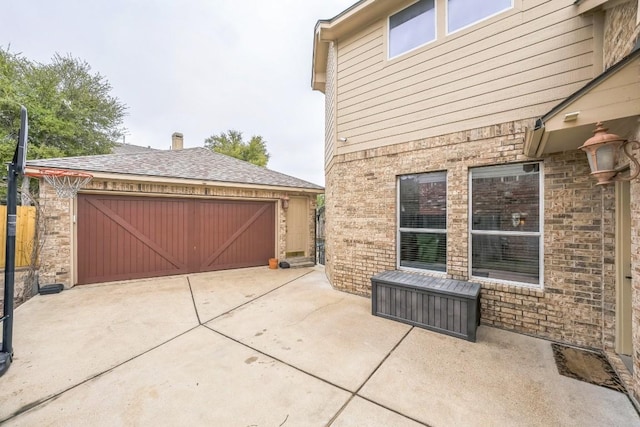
(260, 347)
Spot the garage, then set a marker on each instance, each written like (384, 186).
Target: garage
(132, 237)
(151, 213)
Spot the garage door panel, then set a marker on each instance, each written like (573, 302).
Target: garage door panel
(244, 252)
(227, 223)
(121, 237)
(152, 218)
(130, 275)
(214, 223)
(145, 225)
(233, 234)
(241, 253)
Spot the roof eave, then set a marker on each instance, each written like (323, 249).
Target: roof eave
(319, 60)
(540, 140)
(347, 21)
(588, 6)
(154, 179)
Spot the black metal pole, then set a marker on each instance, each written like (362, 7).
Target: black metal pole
(9, 270)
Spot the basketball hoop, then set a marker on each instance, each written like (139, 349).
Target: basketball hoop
(67, 183)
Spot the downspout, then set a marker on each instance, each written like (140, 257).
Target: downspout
(533, 138)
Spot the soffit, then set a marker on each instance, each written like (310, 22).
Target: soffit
(586, 6)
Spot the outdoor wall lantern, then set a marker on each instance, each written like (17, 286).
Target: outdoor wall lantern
(285, 202)
(603, 151)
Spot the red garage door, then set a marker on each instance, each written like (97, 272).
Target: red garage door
(121, 238)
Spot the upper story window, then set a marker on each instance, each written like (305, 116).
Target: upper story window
(412, 27)
(462, 13)
(422, 221)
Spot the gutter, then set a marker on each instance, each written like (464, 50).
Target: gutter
(340, 15)
(154, 179)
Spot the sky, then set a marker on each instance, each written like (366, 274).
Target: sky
(199, 67)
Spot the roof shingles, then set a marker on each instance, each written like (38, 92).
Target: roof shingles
(120, 148)
(199, 164)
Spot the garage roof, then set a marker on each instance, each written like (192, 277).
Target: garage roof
(199, 164)
(120, 148)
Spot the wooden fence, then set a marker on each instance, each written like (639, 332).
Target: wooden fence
(26, 229)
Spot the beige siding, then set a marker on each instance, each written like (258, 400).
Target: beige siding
(363, 42)
(515, 66)
(330, 105)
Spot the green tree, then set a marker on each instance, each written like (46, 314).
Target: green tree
(71, 110)
(231, 143)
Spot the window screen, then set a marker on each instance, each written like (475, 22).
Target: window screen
(462, 13)
(412, 27)
(422, 213)
(506, 229)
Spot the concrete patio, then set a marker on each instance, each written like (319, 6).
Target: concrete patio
(260, 347)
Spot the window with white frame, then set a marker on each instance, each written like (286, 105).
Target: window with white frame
(506, 223)
(462, 13)
(412, 27)
(422, 219)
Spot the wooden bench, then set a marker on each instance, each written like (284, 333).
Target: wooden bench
(442, 305)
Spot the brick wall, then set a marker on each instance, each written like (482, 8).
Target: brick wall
(579, 264)
(56, 254)
(361, 228)
(621, 35)
(635, 275)
(22, 288)
(55, 231)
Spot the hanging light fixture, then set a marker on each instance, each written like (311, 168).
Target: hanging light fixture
(603, 151)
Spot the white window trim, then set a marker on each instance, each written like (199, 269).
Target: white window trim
(444, 231)
(539, 234)
(435, 38)
(446, 18)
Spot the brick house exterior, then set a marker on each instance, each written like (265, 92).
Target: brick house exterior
(189, 174)
(441, 107)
